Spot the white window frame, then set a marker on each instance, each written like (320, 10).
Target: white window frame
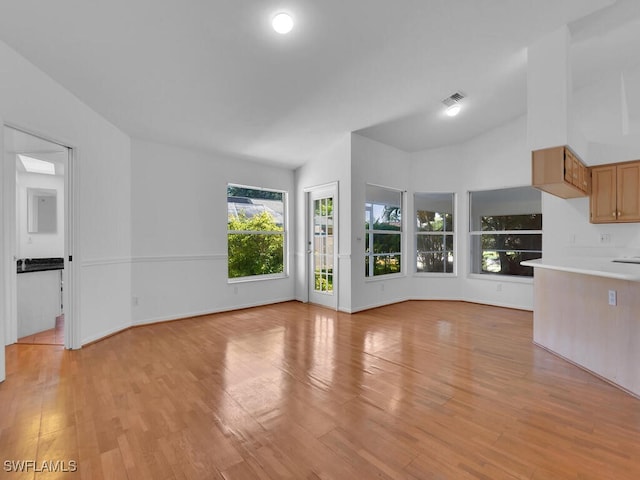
(371, 232)
(284, 233)
(443, 234)
(479, 233)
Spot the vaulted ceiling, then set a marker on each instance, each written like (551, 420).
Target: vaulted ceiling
(212, 75)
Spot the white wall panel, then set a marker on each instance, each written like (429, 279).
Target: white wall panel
(378, 164)
(31, 100)
(179, 222)
(497, 159)
(332, 165)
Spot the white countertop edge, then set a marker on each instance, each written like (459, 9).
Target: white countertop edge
(599, 266)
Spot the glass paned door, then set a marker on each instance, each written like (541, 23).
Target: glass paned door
(322, 246)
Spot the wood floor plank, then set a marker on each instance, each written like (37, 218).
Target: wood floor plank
(418, 390)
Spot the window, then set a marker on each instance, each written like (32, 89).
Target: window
(434, 232)
(383, 231)
(506, 228)
(256, 232)
(323, 244)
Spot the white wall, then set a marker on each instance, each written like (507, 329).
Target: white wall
(442, 171)
(378, 164)
(6, 258)
(179, 233)
(567, 231)
(168, 210)
(332, 165)
(548, 90)
(39, 245)
(497, 159)
(31, 100)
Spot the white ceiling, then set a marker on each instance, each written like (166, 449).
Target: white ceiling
(211, 75)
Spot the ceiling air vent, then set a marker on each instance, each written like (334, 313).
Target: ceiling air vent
(453, 99)
(453, 104)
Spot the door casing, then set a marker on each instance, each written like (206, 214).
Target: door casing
(321, 191)
(9, 324)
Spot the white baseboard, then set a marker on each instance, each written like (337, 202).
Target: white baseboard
(184, 315)
(434, 299)
(499, 304)
(105, 334)
(377, 305)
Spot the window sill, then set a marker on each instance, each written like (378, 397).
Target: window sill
(435, 275)
(257, 278)
(501, 278)
(380, 278)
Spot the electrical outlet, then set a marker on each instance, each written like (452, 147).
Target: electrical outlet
(235, 290)
(135, 301)
(605, 238)
(613, 298)
(499, 287)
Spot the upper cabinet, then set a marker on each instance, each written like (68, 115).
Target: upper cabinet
(559, 171)
(615, 196)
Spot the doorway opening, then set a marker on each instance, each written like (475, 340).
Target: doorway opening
(36, 231)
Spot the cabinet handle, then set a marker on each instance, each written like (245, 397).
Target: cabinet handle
(613, 214)
(619, 214)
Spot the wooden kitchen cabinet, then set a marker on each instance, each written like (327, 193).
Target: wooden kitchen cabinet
(559, 171)
(615, 193)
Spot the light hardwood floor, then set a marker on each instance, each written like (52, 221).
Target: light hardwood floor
(418, 390)
(53, 336)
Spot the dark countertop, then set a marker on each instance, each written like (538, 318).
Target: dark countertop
(25, 265)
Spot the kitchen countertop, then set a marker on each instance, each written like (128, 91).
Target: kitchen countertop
(597, 266)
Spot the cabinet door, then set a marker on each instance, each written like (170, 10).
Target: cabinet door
(603, 194)
(628, 195)
(576, 172)
(586, 179)
(568, 166)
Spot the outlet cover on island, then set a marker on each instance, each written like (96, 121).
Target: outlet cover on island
(613, 298)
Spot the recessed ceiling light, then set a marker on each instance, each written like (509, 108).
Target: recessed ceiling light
(33, 165)
(453, 110)
(282, 23)
(452, 103)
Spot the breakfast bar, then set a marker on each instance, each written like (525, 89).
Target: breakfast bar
(587, 310)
